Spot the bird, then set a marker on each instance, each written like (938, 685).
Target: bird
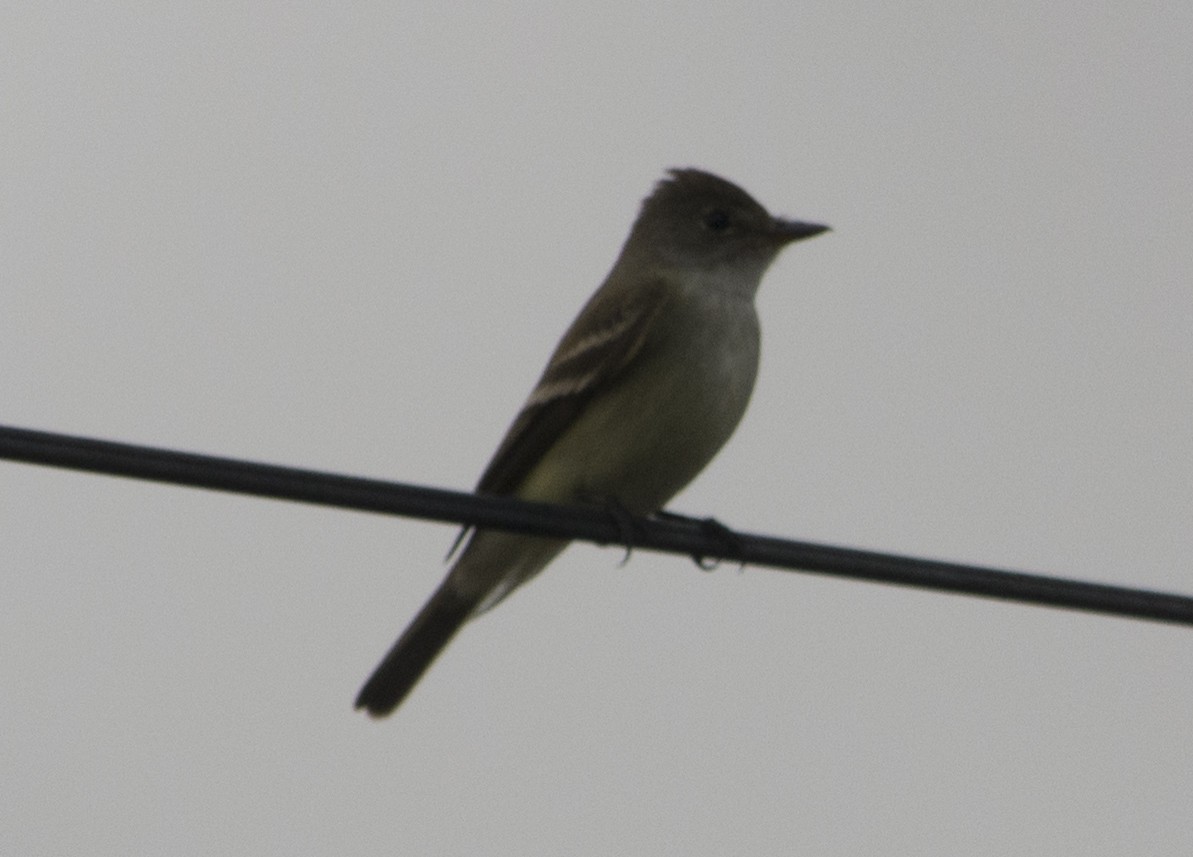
(642, 390)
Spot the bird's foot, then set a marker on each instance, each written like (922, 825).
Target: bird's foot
(733, 546)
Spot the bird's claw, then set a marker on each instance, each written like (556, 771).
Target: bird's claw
(734, 546)
(625, 527)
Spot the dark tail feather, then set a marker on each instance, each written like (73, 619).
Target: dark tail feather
(414, 651)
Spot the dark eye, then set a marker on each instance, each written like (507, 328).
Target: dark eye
(716, 219)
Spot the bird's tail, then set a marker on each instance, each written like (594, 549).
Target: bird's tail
(415, 650)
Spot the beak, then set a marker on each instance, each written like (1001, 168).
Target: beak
(787, 231)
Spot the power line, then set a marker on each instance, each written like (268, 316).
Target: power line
(667, 534)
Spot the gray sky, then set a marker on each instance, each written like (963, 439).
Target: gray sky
(348, 237)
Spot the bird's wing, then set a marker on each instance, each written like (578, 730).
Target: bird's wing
(603, 340)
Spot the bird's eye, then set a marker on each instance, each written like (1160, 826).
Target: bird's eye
(716, 220)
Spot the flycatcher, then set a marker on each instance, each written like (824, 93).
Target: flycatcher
(644, 388)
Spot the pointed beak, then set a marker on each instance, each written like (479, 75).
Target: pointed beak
(787, 231)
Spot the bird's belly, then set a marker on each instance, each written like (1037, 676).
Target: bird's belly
(650, 435)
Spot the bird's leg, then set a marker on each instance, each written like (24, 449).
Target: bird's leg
(623, 519)
(734, 547)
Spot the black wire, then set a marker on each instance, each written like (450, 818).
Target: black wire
(669, 534)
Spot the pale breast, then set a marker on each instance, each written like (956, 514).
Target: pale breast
(651, 433)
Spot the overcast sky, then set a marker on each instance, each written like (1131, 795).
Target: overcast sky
(347, 236)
